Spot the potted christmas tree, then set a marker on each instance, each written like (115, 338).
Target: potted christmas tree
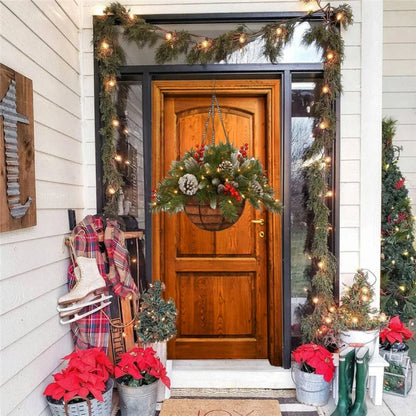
(360, 320)
(156, 323)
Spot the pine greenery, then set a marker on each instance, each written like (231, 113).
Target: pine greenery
(157, 317)
(196, 49)
(245, 177)
(398, 285)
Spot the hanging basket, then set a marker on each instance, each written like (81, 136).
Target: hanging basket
(207, 218)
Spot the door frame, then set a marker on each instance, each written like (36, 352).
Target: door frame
(145, 74)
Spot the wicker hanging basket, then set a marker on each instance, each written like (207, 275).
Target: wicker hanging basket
(207, 218)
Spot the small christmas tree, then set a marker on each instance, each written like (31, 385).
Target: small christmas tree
(398, 290)
(355, 309)
(157, 317)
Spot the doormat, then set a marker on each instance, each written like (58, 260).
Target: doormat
(220, 407)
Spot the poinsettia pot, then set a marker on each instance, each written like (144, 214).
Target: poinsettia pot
(359, 338)
(161, 352)
(311, 388)
(85, 407)
(141, 400)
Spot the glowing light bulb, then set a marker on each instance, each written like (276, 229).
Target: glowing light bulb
(115, 122)
(329, 194)
(105, 45)
(111, 83)
(405, 253)
(386, 166)
(330, 56)
(134, 260)
(354, 320)
(323, 125)
(325, 89)
(364, 290)
(332, 309)
(321, 264)
(175, 191)
(364, 298)
(127, 162)
(339, 16)
(131, 16)
(205, 43)
(328, 320)
(279, 31)
(125, 132)
(402, 288)
(393, 262)
(315, 300)
(118, 158)
(382, 317)
(111, 190)
(124, 334)
(243, 38)
(169, 36)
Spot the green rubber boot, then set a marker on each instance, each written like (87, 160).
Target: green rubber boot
(345, 380)
(362, 358)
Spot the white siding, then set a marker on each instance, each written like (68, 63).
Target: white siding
(40, 39)
(399, 83)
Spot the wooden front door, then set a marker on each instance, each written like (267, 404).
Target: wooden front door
(226, 284)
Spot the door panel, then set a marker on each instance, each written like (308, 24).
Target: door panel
(219, 280)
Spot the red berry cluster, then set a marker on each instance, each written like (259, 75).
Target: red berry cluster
(154, 192)
(243, 151)
(199, 154)
(232, 191)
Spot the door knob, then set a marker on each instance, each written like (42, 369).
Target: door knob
(261, 222)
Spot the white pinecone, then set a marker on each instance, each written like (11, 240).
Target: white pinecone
(188, 184)
(226, 167)
(256, 187)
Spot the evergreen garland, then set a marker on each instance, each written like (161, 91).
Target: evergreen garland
(157, 317)
(201, 50)
(398, 284)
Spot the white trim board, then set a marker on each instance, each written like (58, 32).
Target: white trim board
(228, 374)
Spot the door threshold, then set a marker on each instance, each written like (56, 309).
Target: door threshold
(228, 374)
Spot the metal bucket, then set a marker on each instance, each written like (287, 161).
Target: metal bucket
(356, 338)
(311, 389)
(136, 401)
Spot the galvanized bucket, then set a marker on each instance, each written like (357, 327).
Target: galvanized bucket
(311, 389)
(136, 401)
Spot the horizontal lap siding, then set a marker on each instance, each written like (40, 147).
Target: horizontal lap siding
(399, 83)
(40, 39)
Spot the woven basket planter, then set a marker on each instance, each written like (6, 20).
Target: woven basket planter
(206, 218)
(87, 407)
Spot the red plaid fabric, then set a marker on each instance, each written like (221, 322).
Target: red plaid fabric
(93, 330)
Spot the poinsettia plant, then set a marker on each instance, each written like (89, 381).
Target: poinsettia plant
(219, 174)
(140, 366)
(394, 335)
(316, 359)
(85, 376)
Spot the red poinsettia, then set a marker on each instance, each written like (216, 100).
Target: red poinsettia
(316, 359)
(395, 332)
(140, 366)
(85, 375)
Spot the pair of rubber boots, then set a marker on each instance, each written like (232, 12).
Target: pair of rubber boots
(349, 359)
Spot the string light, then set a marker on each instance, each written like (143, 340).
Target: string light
(386, 166)
(118, 158)
(354, 320)
(325, 89)
(405, 253)
(205, 44)
(393, 262)
(315, 300)
(111, 83)
(124, 334)
(382, 317)
(169, 36)
(402, 288)
(364, 298)
(330, 56)
(132, 16)
(329, 194)
(279, 31)
(323, 125)
(134, 260)
(115, 122)
(339, 16)
(127, 162)
(111, 190)
(328, 320)
(332, 309)
(321, 265)
(105, 45)
(364, 290)
(125, 131)
(243, 38)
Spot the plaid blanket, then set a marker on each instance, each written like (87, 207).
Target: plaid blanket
(113, 265)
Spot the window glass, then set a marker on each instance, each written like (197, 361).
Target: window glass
(252, 53)
(301, 129)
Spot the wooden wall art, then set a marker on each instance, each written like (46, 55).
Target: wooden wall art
(17, 153)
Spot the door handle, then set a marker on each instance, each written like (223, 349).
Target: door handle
(261, 222)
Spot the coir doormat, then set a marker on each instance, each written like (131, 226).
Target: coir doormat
(220, 407)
